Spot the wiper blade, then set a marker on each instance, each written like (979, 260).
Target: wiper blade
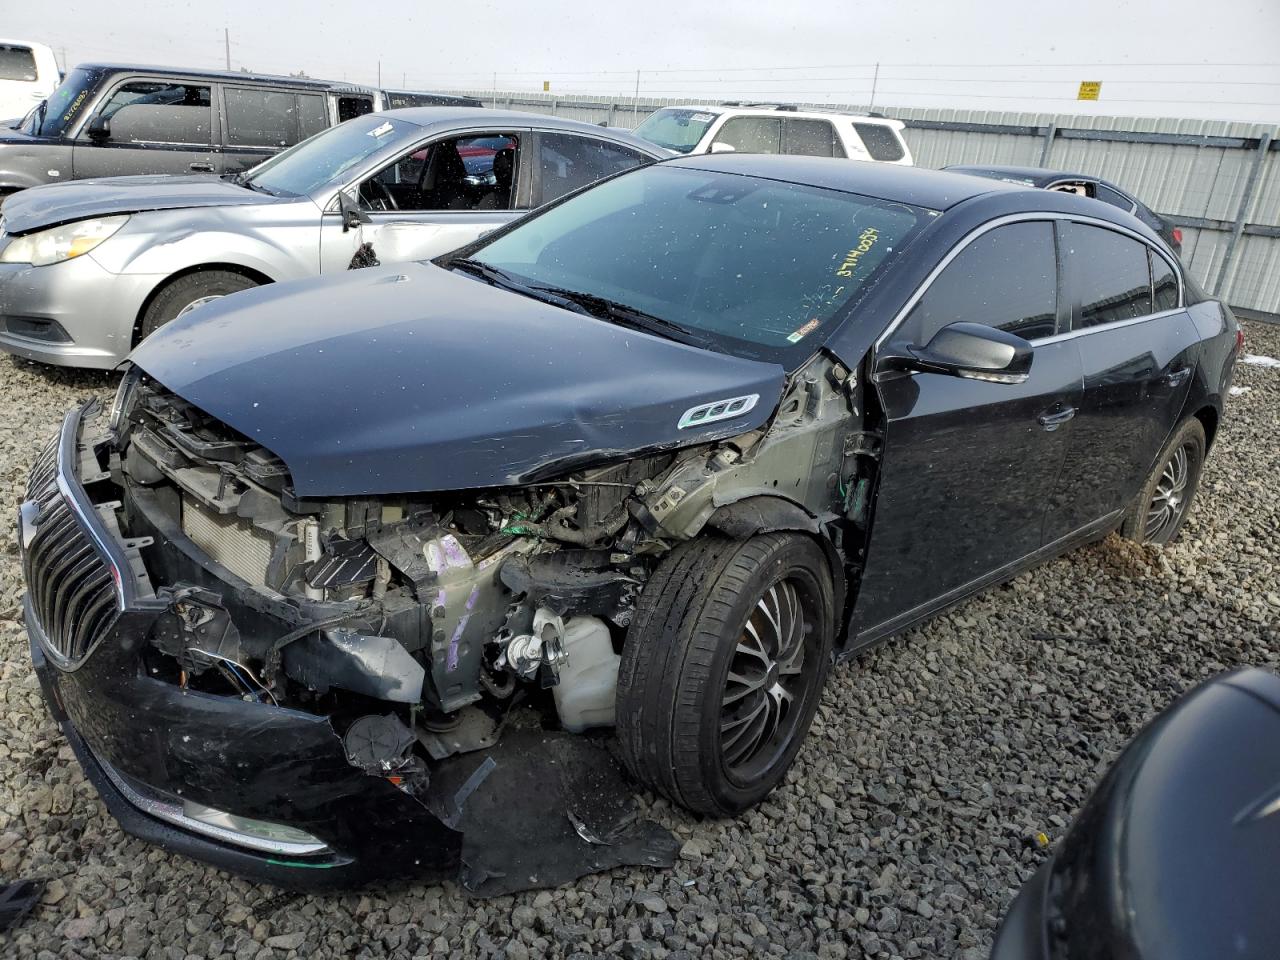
(500, 278)
(589, 304)
(626, 315)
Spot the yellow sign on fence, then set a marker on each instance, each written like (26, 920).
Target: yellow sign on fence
(546, 87)
(1089, 90)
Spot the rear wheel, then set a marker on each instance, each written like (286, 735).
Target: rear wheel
(723, 668)
(186, 293)
(1160, 509)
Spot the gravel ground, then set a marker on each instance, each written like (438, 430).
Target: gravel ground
(904, 829)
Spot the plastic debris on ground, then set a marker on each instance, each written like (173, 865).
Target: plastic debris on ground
(543, 808)
(17, 900)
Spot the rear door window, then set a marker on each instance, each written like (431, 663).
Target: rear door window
(1109, 274)
(1164, 283)
(567, 161)
(751, 134)
(1007, 278)
(17, 63)
(811, 138)
(160, 111)
(881, 142)
(260, 118)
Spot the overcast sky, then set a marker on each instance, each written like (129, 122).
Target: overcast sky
(1173, 58)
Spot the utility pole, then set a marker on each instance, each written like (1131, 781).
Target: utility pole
(226, 39)
(875, 78)
(379, 74)
(635, 113)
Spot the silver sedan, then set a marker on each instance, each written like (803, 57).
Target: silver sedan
(89, 268)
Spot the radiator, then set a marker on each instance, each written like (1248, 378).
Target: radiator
(231, 541)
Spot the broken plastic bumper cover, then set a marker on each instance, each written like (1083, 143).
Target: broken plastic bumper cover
(269, 792)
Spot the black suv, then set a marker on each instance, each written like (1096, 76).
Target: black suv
(110, 120)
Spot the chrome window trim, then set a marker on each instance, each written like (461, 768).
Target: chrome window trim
(1025, 218)
(1113, 325)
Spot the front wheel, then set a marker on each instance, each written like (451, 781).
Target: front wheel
(723, 667)
(183, 295)
(1161, 507)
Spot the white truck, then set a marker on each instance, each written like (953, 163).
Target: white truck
(28, 74)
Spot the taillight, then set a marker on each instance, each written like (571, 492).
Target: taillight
(1239, 339)
(1177, 235)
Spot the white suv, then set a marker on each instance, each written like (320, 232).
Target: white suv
(776, 128)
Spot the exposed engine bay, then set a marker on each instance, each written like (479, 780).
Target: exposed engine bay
(417, 622)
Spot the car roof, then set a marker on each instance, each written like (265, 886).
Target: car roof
(1035, 176)
(231, 76)
(451, 115)
(783, 109)
(932, 189)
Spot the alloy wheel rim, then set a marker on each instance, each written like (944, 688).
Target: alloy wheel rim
(767, 685)
(1169, 502)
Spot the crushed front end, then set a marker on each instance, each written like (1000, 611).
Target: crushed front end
(312, 693)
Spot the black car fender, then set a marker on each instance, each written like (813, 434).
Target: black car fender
(755, 514)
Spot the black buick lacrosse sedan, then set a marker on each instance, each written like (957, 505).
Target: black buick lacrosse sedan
(649, 459)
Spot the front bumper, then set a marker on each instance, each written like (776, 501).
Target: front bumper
(71, 314)
(254, 760)
(532, 809)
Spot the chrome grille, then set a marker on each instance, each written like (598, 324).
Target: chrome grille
(72, 592)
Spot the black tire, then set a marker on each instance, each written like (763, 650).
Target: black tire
(1161, 507)
(178, 295)
(678, 708)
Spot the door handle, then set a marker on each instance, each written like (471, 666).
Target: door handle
(1176, 378)
(200, 167)
(1052, 421)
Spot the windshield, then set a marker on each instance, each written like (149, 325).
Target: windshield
(328, 155)
(678, 130)
(55, 116)
(758, 267)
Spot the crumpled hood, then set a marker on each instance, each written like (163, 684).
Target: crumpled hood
(55, 203)
(412, 378)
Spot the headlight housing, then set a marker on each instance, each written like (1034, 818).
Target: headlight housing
(62, 242)
(124, 395)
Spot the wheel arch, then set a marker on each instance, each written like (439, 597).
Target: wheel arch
(257, 276)
(1208, 415)
(757, 513)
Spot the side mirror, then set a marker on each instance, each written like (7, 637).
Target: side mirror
(722, 148)
(352, 215)
(99, 129)
(971, 350)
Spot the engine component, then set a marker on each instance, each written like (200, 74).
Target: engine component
(232, 541)
(402, 546)
(471, 728)
(378, 745)
(571, 582)
(528, 653)
(588, 676)
(374, 666)
(345, 565)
